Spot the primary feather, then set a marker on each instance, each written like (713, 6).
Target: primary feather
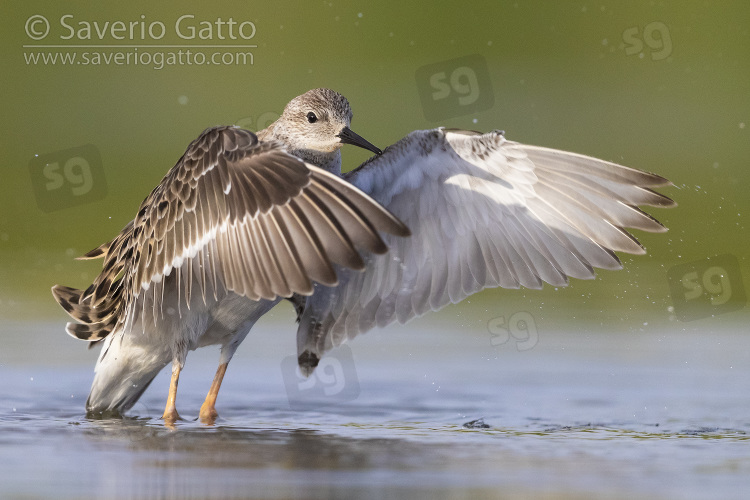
(484, 212)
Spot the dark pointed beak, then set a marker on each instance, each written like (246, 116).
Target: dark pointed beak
(348, 137)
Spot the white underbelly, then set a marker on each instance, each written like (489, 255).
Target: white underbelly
(173, 325)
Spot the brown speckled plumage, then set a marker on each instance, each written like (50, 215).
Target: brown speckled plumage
(258, 221)
(243, 220)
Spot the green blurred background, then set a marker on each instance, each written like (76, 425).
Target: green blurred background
(569, 75)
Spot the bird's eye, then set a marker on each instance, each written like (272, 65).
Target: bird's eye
(311, 117)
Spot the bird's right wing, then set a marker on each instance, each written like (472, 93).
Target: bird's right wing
(484, 212)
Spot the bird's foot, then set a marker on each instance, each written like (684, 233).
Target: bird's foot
(170, 417)
(208, 414)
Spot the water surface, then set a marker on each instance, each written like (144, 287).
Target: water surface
(580, 415)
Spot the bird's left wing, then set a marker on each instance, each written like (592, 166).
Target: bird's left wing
(484, 212)
(234, 214)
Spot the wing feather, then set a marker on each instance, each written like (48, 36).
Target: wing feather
(254, 219)
(484, 212)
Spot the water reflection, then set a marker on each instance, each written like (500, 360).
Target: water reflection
(259, 460)
(590, 417)
(195, 461)
(196, 445)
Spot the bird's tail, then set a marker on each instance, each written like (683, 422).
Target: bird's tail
(96, 323)
(123, 372)
(100, 308)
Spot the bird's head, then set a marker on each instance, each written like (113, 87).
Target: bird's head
(319, 121)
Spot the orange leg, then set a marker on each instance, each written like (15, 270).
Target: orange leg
(170, 412)
(208, 409)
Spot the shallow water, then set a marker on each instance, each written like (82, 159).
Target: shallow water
(580, 415)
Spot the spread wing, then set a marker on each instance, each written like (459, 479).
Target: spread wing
(484, 212)
(233, 214)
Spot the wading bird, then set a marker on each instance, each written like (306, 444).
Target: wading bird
(244, 220)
